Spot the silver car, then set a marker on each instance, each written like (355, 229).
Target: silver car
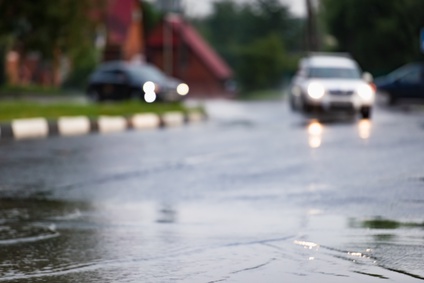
(331, 83)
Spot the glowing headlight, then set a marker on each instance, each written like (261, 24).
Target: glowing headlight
(316, 90)
(366, 92)
(182, 89)
(150, 97)
(149, 87)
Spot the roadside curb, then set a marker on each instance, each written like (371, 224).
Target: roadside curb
(32, 128)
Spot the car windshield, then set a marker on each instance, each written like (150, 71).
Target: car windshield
(334, 73)
(403, 71)
(147, 73)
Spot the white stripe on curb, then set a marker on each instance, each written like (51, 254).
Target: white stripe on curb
(30, 128)
(109, 124)
(173, 119)
(69, 126)
(145, 121)
(73, 126)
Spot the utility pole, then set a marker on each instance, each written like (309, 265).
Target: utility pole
(168, 6)
(312, 40)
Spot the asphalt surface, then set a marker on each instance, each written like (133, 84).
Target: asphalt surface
(257, 194)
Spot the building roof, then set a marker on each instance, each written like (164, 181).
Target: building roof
(199, 46)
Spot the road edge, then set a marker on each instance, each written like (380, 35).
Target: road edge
(32, 128)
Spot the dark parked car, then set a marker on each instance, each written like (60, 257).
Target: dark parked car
(407, 82)
(119, 80)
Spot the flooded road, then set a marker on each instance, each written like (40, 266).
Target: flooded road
(258, 194)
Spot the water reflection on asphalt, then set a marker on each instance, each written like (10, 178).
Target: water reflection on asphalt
(115, 242)
(239, 200)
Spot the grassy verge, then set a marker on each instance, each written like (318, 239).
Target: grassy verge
(33, 90)
(262, 95)
(10, 110)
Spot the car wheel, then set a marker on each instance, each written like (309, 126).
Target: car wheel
(392, 100)
(366, 113)
(137, 95)
(94, 96)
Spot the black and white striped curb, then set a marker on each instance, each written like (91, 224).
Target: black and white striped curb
(81, 125)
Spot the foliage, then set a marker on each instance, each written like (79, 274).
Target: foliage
(44, 25)
(255, 38)
(53, 30)
(2, 64)
(14, 91)
(264, 94)
(259, 69)
(84, 62)
(151, 17)
(380, 34)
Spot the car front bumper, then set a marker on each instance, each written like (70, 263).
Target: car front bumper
(331, 103)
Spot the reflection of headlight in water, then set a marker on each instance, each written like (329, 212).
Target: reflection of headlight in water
(364, 128)
(315, 142)
(150, 97)
(315, 130)
(307, 245)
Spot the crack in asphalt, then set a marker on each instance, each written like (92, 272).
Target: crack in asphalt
(254, 267)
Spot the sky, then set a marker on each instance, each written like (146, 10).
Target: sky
(203, 7)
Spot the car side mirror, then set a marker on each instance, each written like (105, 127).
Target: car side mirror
(367, 77)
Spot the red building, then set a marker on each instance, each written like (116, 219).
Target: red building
(176, 48)
(124, 31)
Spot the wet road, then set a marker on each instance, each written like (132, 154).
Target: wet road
(258, 194)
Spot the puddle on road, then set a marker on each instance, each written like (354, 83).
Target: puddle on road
(393, 245)
(381, 223)
(53, 241)
(238, 123)
(21, 233)
(25, 221)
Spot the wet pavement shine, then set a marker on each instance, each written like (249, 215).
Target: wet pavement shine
(257, 194)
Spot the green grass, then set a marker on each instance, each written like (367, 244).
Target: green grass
(33, 90)
(10, 110)
(262, 95)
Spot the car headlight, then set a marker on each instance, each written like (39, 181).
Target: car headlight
(366, 92)
(316, 90)
(150, 97)
(183, 89)
(149, 87)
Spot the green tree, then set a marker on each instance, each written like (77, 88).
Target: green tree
(262, 63)
(43, 25)
(51, 28)
(380, 34)
(151, 17)
(253, 35)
